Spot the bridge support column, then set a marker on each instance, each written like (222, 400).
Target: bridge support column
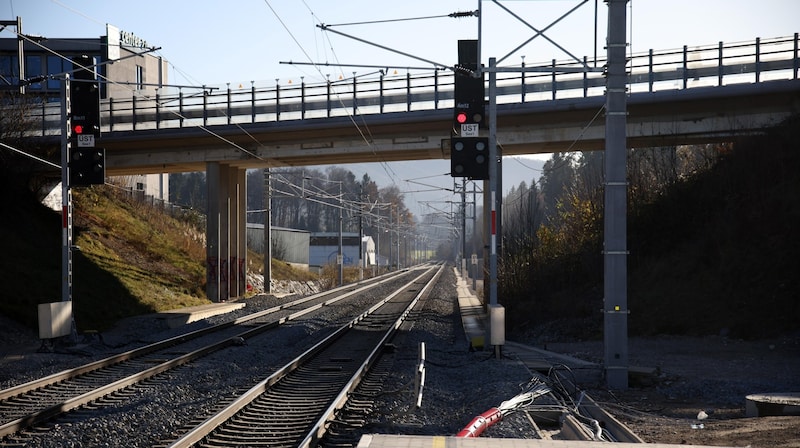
(226, 227)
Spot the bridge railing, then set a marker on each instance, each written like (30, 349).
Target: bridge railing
(756, 61)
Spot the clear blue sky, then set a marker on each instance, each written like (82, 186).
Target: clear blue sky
(236, 41)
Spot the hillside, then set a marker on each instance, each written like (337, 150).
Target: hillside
(716, 254)
(133, 259)
(720, 253)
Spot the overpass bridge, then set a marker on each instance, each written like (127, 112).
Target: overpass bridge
(688, 95)
(682, 96)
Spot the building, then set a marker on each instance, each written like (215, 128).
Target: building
(124, 62)
(325, 248)
(289, 245)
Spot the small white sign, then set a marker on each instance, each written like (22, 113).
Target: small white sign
(469, 130)
(474, 259)
(85, 140)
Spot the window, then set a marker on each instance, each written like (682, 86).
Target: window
(56, 66)
(9, 70)
(33, 67)
(139, 77)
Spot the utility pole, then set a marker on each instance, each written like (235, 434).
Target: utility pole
(463, 227)
(267, 231)
(361, 258)
(474, 229)
(340, 255)
(615, 253)
(66, 195)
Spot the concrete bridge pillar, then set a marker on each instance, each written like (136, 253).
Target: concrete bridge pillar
(226, 227)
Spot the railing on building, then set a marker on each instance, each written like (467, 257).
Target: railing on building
(756, 61)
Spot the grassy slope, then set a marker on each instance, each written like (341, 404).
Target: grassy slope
(132, 260)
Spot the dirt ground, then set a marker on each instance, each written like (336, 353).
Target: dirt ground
(712, 375)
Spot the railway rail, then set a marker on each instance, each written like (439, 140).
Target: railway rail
(293, 406)
(29, 404)
(351, 409)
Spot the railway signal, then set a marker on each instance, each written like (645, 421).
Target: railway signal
(87, 166)
(86, 162)
(469, 157)
(84, 94)
(469, 95)
(469, 153)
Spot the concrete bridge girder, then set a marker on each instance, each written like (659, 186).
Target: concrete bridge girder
(699, 115)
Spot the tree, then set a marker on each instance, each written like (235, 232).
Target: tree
(558, 177)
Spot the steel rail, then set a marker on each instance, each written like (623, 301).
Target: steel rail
(131, 354)
(207, 427)
(593, 423)
(608, 422)
(51, 411)
(318, 430)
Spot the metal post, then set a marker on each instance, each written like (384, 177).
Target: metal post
(397, 240)
(230, 107)
(267, 232)
(302, 98)
(758, 59)
(463, 227)
(66, 198)
(205, 106)
(340, 256)
(252, 101)
(615, 299)
(495, 184)
(361, 258)
(277, 101)
(21, 56)
(719, 64)
(474, 227)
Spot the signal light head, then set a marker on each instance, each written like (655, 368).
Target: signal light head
(461, 117)
(78, 129)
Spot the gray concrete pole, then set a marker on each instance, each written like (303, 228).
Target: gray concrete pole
(267, 232)
(340, 256)
(397, 240)
(463, 227)
(495, 184)
(615, 299)
(474, 229)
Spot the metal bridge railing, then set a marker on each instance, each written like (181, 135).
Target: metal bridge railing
(756, 61)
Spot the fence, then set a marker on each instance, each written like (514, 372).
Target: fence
(756, 61)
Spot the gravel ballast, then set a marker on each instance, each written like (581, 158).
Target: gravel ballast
(460, 383)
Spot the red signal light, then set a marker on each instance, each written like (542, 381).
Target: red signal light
(461, 117)
(78, 129)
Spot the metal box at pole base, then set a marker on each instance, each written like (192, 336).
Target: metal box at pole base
(55, 319)
(497, 325)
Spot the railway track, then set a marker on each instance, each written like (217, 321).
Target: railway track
(293, 407)
(29, 404)
(354, 407)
